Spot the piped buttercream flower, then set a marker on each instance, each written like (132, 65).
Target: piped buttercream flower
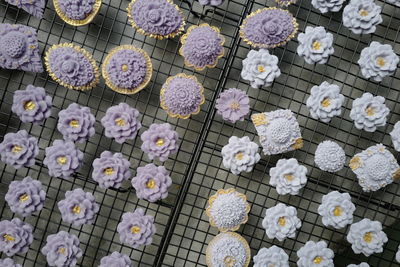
(211, 2)
(336, 209)
(395, 136)
(325, 6)
(8, 262)
(315, 254)
(315, 45)
(33, 7)
(396, 3)
(329, 156)
(77, 13)
(116, 259)
(233, 105)
(15, 236)
(398, 254)
(362, 16)
(273, 256)
(362, 264)
(285, 2)
(288, 176)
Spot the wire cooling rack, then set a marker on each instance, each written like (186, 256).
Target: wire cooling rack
(183, 231)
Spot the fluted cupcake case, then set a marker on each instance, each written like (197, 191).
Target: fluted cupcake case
(77, 13)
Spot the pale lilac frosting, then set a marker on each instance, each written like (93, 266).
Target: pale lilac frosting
(136, 228)
(211, 2)
(26, 196)
(233, 105)
(121, 122)
(19, 149)
(8, 262)
(362, 16)
(110, 170)
(76, 123)
(159, 141)
(315, 45)
(16, 236)
(116, 259)
(152, 182)
(19, 48)
(33, 7)
(76, 10)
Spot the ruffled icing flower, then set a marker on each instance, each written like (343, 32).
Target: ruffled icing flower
(367, 237)
(16, 236)
(72, 66)
(62, 249)
(378, 61)
(32, 104)
(157, 18)
(19, 149)
(395, 136)
(211, 2)
(396, 3)
(127, 69)
(76, 123)
(369, 112)
(110, 170)
(329, 156)
(202, 46)
(315, 45)
(228, 249)
(268, 28)
(136, 228)
(240, 155)
(325, 6)
(362, 264)
(227, 210)
(181, 96)
(285, 2)
(19, 48)
(288, 177)
(278, 131)
(325, 101)
(233, 105)
(273, 256)
(77, 13)
(152, 182)
(315, 254)
(336, 209)
(362, 16)
(63, 159)
(116, 259)
(375, 168)
(281, 221)
(26, 196)
(33, 7)
(78, 207)
(8, 262)
(260, 68)
(159, 141)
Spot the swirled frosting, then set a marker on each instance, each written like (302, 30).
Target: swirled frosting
(33, 7)
(16, 236)
(325, 6)
(315, 254)
(272, 256)
(233, 105)
(395, 136)
(362, 16)
(288, 176)
(116, 259)
(329, 156)
(336, 209)
(315, 45)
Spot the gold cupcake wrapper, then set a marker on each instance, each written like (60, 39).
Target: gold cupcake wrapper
(162, 96)
(127, 91)
(183, 41)
(86, 54)
(74, 22)
(258, 45)
(211, 202)
(152, 35)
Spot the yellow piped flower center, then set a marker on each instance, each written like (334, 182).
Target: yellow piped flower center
(160, 142)
(151, 184)
(260, 68)
(282, 221)
(239, 156)
(289, 177)
(74, 123)
(135, 229)
(368, 237)
(62, 160)
(229, 261)
(370, 111)
(337, 211)
(120, 122)
(317, 260)
(124, 68)
(8, 238)
(326, 102)
(316, 45)
(61, 250)
(235, 105)
(76, 209)
(380, 61)
(23, 197)
(363, 12)
(29, 105)
(108, 171)
(16, 149)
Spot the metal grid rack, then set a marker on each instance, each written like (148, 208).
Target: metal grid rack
(183, 231)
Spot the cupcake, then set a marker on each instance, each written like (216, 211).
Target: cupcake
(273, 256)
(325, 6)
(127, 69)
(288, 176)
(362, 16)
(315, 254)
(233, 105)
(211, 2)
(34, 7)
(227, 210)
(375, 168)
(19, 149)
(268, 28)
(16, 237)
(278, 131)
(157, 18)
(396, 3)
(77, 13)
(8, 262)
(110, 170)
(362, 264)
(181, 96)
(72, 66)
(367, 237)
(395, 136)
(315, 45)
(329, 156)
(228, 249)
(136, 229)
(32, 104)
(202, 46)
(19, 48)
(25, 197)
(116, 259)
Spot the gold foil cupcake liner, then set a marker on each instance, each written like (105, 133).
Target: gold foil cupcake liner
(74, 22)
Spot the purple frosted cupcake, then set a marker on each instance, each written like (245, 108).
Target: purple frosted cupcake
(157, 18)
(33, 7)
(110, 170)
(152, 182)
(233, 105)
(16, 236)
(25, 197)
(76, 123)
(8, 262)
(181, 96)
(127, 69)
(121, 122)
(116, 259)
(136, 228)
(63, 159)
(77, 13)
(19, 48)
(159, 141)
(268, 28)
(72, 66)
(202, 46)
(19, 149)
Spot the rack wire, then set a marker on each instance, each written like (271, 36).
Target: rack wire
(183, 231)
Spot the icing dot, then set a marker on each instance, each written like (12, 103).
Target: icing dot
(316, 45)
(363, 12)
(23, 197)
(282, 221)
(16, 149)
(151, 184)
(380, 61)
(108, 171)
(135, 229)
(74, 123)
(239, 156)
(29, 105)
(160, 142)
(61, 250)
(337, 211)
(8, 238)
(370, 111)
(124, 67)
(368, 237)
(326, 102)
(120, 122)
(76, 209)
(317, 260)
(61, 160)
(235, 105)
(260, 68)
(229, 261)
(289, 177)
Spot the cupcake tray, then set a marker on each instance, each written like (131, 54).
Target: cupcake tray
(183, 231)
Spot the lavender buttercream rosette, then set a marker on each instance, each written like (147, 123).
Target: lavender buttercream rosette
(288, 176)
(26, 196)
(211, 2)
(116, 259)
(16, 236)
(8, 262)
(110, 170)
(76, 10)
(362, 16)
(325, 6)
(136, 228)
(233, 105)
(315, 45)
(315, 254)
(33, 7)
(19, 149)
(273, 256)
